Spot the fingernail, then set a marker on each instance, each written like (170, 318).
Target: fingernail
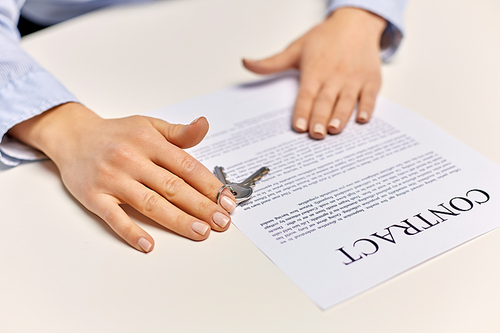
(363, 115)
(200, 228)
(301, 124)
(220, 219)
(228, 204)
(319, 129)
(144, 244)
(334, 123)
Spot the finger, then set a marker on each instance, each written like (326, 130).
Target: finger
(308, 90)
(107, 208)
(367, 102)
(154, 206)
(185, 166)
(191, 171)
(322, 111)
(183, 136)
(227, 200)
(343, 109)
(288, 59)
(183, 196)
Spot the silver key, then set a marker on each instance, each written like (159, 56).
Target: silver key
(241, 193)
(219, 173)
(250, 181)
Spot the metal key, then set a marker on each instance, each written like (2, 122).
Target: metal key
(241, 193)
(250, 181)
(220, 174)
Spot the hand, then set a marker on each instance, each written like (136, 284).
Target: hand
(340, 66)
(137, 161)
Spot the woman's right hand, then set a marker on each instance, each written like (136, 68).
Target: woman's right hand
(137, 161)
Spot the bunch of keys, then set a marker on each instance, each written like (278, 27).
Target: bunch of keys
(241, 191)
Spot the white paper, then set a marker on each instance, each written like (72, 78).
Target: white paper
(346, 213)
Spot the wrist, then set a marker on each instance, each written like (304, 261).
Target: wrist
(360, 20)
(51, 131)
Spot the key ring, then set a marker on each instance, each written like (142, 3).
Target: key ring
(220, 192)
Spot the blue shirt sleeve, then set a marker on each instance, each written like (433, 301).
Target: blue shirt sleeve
(26, 89)
(391, 10)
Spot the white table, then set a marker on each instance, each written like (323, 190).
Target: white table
(63, 270)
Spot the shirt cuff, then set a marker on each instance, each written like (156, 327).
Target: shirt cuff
(13, 152)
(391, 11)
(23, 99)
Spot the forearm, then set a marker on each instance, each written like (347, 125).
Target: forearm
(26, 89)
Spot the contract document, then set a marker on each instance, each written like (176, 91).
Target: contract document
(341, 215)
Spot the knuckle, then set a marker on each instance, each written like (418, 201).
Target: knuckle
(326, 98)
(121, 153)
(89, 192)
(126, 231)
(172, 185)
(306, 93)
(143, 130)
(205, 207)
(343, 110)
(149, 202)
(104, 170)
(370, 93)
(343, 70)
(112, 217)
(140, 122)
(189, 165)
(143, 135)
(349, 94)
(109, 215)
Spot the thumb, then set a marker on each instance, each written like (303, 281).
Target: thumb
(183, 136)
(283, 61)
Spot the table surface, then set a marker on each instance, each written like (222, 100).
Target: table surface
(63, 270)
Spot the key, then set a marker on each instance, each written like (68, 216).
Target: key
(250, 181)
(219, 173)
(241, 193)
